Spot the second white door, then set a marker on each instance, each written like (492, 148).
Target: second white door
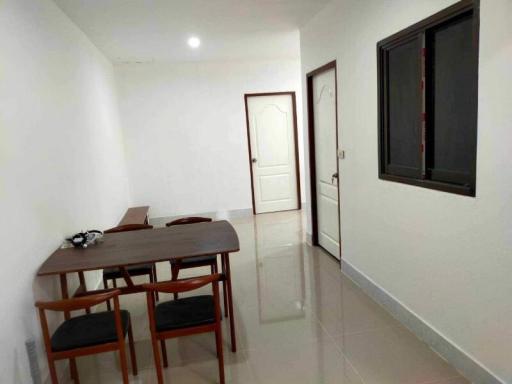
(271, 126)
(326, 159)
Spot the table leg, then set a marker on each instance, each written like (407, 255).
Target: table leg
(224, 289)
(225, 261)
(65, 295)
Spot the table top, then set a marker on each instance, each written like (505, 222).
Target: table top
(145, 246)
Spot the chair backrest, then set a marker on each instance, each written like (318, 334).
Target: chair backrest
(189, 220)
(74, 304)
(183, 285)
(128, 227)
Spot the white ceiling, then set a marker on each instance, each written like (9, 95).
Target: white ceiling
(157, 30)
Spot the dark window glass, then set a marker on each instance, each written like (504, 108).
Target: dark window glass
(428, 102)
(453, 107)
(404, 108)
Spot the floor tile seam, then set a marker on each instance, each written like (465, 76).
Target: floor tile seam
(342, 352)
(440, 381)
(369, 330)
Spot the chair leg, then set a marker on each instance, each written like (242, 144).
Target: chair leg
(114, 282)
(225, 298)
(220, 354)
(175, 270)
(153, 279)
(224, 290)
(53, 371)
(215, 269)
(156, 355)
(133, 358)
(105, 285)
(122, 358)
(74, 371)
(164, 353)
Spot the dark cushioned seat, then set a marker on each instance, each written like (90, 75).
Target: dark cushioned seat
(115, 273)
(88, 330)
(196, 260)
(184, 313)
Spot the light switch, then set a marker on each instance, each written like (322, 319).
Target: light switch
(341, 154)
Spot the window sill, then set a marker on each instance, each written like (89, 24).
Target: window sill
(436, 185)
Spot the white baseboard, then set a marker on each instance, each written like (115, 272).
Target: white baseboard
(463, 362)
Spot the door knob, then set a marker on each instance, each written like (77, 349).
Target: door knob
(254, 160)
(334, 176)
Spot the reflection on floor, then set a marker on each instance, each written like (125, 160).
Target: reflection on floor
(299, 320)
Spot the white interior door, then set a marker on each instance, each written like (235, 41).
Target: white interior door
(326, 158)
(272, 142)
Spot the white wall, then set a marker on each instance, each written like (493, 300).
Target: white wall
(446, 257)
(61, 159)
(185, 130)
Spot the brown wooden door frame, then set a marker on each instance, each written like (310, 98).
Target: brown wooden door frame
(296, 144)
(312, 149)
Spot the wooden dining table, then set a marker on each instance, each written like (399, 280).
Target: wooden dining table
(125, 249)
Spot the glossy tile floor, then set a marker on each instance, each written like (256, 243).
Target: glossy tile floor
(298, 320)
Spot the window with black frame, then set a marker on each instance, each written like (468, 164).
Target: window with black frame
(428, 99)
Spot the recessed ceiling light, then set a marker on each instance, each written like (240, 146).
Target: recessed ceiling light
(194, 42)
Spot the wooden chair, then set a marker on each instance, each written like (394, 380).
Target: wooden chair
(186, 316)
(134, 270)
(194, 262)
(87, 334)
